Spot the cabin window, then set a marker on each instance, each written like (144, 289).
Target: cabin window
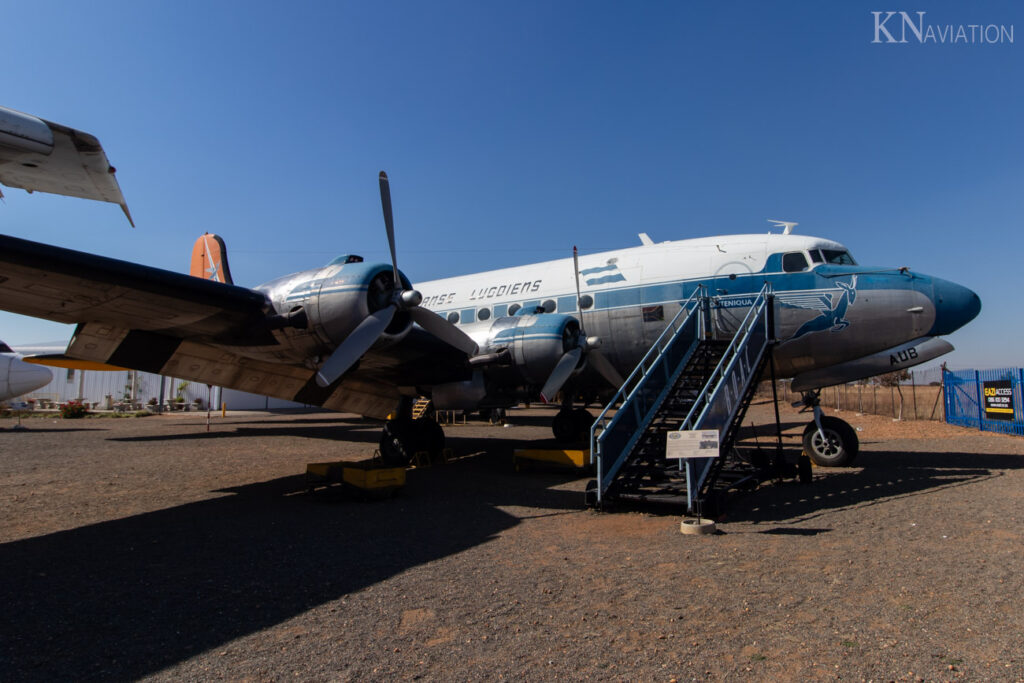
(548, 306)
(513, 308)
(586, 301)
(70, 377)
(838, 257)
(483, 314)
(453, 317)
(794, 262)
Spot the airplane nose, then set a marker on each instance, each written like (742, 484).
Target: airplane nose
(955, 306)
(26, 377)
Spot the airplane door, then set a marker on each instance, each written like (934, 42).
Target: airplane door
(731, 297)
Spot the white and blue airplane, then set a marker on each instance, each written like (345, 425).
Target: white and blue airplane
(358, 337)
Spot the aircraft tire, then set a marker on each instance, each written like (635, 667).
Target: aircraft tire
(839, 449)
(572, 425)
(563, 426)
(395, 443)
(582, 420)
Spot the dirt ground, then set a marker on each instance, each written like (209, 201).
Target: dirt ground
(150, 548)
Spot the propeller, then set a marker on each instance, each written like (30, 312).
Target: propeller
(371, 327)
(570, 359)
(563, 369)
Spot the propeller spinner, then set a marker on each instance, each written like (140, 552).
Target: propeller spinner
(372, 326)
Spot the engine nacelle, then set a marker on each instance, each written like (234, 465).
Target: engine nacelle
(533, 343)
(333, 300)
(18, 377)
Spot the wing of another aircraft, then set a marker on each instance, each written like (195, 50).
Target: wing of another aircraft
(41, 156)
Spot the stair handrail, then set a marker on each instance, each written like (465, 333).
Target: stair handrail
(651, 361)
(705, 400)
(729, 358)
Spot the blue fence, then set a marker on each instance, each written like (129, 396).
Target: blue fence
(989, 400)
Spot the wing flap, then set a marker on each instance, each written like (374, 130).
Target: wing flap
(198, 362)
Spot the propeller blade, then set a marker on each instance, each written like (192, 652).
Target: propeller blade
(443, 330)
(355, 345)
(605, 368)
(389, 223)
(566, 364)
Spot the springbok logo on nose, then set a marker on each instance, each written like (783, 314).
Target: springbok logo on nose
(833, 313)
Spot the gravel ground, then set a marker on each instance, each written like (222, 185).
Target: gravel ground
(149, 548)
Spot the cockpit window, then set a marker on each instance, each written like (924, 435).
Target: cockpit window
(794, 262)
(838, 257)
(346, 258)
(816, 256)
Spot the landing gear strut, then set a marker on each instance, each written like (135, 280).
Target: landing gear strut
(829, 441)
(403, 437)
(572, 425)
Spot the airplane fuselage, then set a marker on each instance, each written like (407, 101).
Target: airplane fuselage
(829, 310)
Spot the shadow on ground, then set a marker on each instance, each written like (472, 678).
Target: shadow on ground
(126, 598)
(879, 476)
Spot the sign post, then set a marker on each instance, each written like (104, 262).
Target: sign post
(689, 445)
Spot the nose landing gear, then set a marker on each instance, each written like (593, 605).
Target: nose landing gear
(829, 441)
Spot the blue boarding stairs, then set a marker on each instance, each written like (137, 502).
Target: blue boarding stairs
(696, 376)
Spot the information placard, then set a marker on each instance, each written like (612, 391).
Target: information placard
(698, 443)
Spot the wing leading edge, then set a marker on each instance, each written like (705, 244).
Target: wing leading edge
(70, 286)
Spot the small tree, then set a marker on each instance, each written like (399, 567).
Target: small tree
(894, 378)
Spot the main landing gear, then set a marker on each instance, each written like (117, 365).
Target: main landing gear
(572, 425)
(829, 441)
(403, 437)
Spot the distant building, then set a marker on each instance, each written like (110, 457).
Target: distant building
(103, 389)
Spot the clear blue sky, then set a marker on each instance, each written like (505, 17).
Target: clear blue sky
(512, 131)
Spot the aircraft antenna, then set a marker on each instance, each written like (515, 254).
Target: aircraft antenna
(787, 226)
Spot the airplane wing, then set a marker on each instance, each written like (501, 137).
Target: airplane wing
(74, 287)
(149, 319)
(41, 156)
